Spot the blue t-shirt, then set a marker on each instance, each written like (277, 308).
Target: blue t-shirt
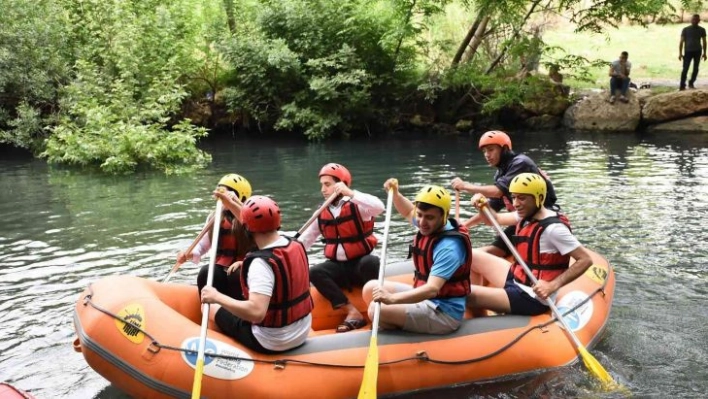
(449, 253)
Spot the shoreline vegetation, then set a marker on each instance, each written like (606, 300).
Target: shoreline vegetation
(131, 85)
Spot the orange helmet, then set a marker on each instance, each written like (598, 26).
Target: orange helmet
(260, 214)
(338, 171)
(495, 137)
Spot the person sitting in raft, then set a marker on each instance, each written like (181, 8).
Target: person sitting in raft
(233, 243)
(275, 312)
(347, 228)
(545, 242)
(496, 147)
(442, 254)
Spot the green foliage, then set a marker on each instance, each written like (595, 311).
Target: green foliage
(103, 124)
(317, 72)
(34, 59)
(127, 85)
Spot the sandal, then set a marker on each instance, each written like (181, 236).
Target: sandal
(349, 325)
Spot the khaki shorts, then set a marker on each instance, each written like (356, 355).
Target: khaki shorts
(424, 317)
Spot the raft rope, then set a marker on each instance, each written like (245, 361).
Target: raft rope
(156, 346)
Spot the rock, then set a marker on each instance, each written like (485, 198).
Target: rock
(543, 122)
(552, 100)
(694, 124)
(464, 125)
(596, 113)
(669, 106)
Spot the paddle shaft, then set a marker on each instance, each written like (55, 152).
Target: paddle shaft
(528, 272)
(199, 369)
(207, 227)
(457, 204)
(382, 268)
(315, 215)
(371, 368)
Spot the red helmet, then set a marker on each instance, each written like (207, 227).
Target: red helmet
(495, 137)
(338, 171)
(260, 214)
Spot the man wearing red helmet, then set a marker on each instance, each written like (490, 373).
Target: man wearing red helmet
(496, 147)
(347, 228)
(274, 314)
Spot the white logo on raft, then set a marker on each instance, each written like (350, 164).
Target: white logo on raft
(238, 366)
(578, 318)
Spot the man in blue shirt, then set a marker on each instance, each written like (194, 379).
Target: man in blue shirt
(442, 255)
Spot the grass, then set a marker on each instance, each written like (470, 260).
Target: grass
(653, 50)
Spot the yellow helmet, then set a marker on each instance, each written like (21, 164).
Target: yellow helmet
(529, 183)
(238, 184)
(436, 196)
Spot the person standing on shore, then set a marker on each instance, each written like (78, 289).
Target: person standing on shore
(691, 46)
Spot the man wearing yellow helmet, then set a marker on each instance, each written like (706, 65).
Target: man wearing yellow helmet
(497, 150)
(544, 241)
(233, 243)
(442, 254)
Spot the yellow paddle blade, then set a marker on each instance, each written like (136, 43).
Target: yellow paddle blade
(596, 368)
(371, 372)
(197, 386)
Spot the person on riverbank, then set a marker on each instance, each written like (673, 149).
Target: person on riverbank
(233, 243)
(347, 228)
(274, 313)
(691, 46)
(619, 77)
(442, 255)
(545, 242)
(497, 150)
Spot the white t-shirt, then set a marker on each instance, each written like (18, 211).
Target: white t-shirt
(555, 238)
(261, 279)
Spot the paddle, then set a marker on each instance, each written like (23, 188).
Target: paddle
(371, 368)
(315, 215)
(590, 362)
(199, 369)
(457, 205)
(207, 227)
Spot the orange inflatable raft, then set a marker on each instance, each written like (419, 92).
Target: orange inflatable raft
(142, 336)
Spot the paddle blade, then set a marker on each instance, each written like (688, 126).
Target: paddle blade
(197, 386)
(596, 368)
(371, 372)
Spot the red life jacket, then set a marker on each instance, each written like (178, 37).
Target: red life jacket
(544, 266)
(355, 235)
(291, 299)
(228, 246)
(422, 251)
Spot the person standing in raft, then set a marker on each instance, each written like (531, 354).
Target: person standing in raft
(275, 312)
(233, 243)
(545, 242)
(496, 147)
(442, 254)
(347, 228)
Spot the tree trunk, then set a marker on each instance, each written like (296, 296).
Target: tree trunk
(230, 19)
(514, 36)
(476, 40)
(466, 40)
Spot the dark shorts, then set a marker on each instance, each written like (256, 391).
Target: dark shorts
(520, 302)
(239, 329)
(509, 231)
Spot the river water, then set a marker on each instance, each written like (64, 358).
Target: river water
(640, 201)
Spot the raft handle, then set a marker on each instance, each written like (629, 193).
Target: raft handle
(279, 365)
(77, 345)
(422, 355)
(154, 347)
